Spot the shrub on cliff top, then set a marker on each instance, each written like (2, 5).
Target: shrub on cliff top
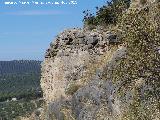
(107, 14)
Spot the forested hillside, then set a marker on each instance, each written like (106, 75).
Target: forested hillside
(19, 67)
(19, 88)
(19, 79)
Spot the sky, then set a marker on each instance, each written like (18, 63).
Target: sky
(28, 26)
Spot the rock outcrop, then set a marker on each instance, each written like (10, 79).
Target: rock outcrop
(72, 67)
(72, 60)
(78, 76)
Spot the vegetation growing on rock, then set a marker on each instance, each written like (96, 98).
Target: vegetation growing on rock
(108, 14)
(140, 71)
(110, 73)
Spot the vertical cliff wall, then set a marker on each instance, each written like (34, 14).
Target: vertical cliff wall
(73, 58)
(105, 74)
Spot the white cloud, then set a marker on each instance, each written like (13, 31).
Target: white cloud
(34, 12)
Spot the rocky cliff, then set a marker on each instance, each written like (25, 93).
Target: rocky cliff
(73, 59)
(105, 74)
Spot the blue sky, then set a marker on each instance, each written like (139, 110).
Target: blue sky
(27, 30)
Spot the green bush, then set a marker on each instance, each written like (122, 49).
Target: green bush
(107, 14)
(13, 109)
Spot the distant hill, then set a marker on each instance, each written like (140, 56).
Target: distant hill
(19, 66)
(19, 88)
(20, 79)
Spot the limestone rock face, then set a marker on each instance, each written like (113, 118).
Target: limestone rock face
(72, 58)
(71, 74)
(92, 75)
